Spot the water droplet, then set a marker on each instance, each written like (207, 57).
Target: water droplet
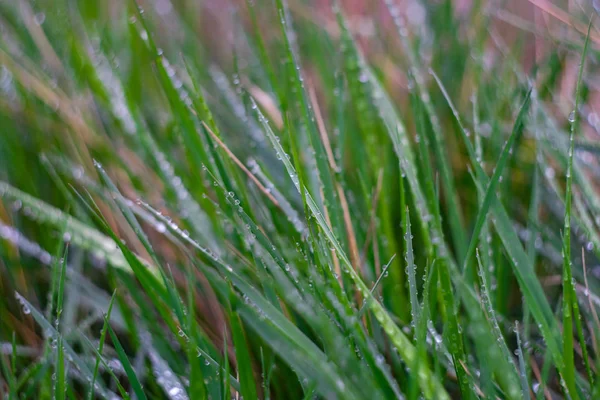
(39, 18)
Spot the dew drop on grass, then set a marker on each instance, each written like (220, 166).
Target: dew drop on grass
(39, 18)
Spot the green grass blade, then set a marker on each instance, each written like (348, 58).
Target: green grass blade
(570, 305)
(522, 367)
(131, 375)
(244, 364)
(101, 346)
(411, 272)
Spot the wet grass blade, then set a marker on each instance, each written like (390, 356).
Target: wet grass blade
(101, 346)
(570, 302)
(244, 364)
(411, 272)
(60, 383)
(131, 375)
(522, 367)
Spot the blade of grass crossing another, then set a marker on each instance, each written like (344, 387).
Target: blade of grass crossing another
(490, 192)
(522, 367)
(519, 260)
(129, 371)
(439, 147)
(429, 383)
(52, 332)
(101, 346)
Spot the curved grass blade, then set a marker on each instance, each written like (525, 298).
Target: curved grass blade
(81, 235)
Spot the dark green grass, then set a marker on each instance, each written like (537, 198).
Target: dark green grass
(291, 200)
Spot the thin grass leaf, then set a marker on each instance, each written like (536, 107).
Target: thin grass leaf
(570, 304)
(60, 384)
(101, 346)
(411, 272)
(522, 367)
(81, 234)
(131, 374)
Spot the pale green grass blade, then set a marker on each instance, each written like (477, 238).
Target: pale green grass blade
(101, 346)
(570, 304)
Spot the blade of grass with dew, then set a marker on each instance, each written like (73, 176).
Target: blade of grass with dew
(490, 198)
(308, 124)
(244, 364)
(53, 333)
(172, 296)
(325, 385)
(453, 330)
(570, 305)
(59, 375)
(168, 381)
(528, 283)
(101, 345)
(367, 90)
(281, 334)
(107, 368)
(522, 367)
(429, 383)
(282, 280)
(81, 234)
(151, 283)
(486, 238)
(496, 332)
(131, 375)
(431, 227)
(490, 192)
(179, 100)
(527, 280)
(197, 388)
(420, 333)
(174, 300)
(454, 211)
(284, 326)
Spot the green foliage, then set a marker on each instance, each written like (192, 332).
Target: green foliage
(279, 199)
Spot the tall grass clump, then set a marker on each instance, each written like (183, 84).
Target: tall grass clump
(287, 199)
